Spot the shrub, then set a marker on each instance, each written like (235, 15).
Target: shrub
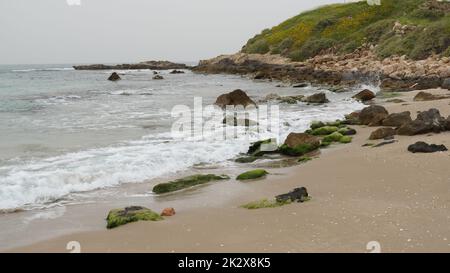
(311, 48)
(259, 46)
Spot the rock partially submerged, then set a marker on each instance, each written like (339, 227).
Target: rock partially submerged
(187, 182)
(118, 217)
(177, 71)
(297, 195)
(298, 144)
(364, 95)
(253, 174)
(263, 147)
(234, 98)
(318, 98)
(158, 77)
(422, 147)
(114, 77)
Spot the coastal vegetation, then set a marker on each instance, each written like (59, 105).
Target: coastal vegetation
(187, 182)
(415, 28)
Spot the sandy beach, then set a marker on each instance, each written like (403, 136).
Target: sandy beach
(359, 194)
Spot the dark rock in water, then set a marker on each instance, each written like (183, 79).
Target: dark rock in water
(152, 65)
(373, 115)
(426, 122)
(381, 133)
(237, 97)
(300, 85)
(422, 147)
(364, 95)
(187, 182)
(424, 96)
(347, 131)
(397, 119)
(118, 217)
(114, 77)
(263, 147)
(233, 121)
(291, 99)
(260, 75)
(176, 72)
(317, 98)
(298, 194)
(158, 77)
(155, 72)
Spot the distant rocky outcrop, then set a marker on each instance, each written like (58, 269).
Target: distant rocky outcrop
(153, 65)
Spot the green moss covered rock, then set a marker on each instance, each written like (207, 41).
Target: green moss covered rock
(334, 137)
(254, 174)
(187, 182)
(118, 217)
(262, 147)
(304, 159)
(345, 139)
(298, 150)
(317, 124)
(325, 130)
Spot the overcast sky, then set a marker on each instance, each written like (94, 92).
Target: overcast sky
(110, 31)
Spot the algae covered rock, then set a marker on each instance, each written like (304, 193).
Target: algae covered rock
(118, 217)
(187, 182)
(258, 173)
(298, 144)
(246, 159)
(345, 139)
(264, 203)
(325, 130)
(334, 137)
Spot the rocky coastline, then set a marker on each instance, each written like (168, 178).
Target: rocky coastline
(153, 65)
(396, 73)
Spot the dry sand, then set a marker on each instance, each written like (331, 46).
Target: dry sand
(359, 194)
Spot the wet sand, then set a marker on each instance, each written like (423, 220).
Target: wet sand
(359, 194)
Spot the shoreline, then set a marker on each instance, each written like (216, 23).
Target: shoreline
(383, 194)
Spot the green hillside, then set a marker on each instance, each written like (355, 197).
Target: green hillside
(341, 28)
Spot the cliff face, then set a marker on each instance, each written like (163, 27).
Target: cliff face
(415, 28)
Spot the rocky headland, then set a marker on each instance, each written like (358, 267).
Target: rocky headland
(153, 65)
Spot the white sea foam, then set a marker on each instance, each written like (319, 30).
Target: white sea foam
(42, 181)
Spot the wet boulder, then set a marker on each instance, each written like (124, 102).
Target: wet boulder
(114, 77)
(297, 144)
(158, 77)
(177, 71)
(317, 98)
(234, 98)
(425, 96)
(263, 147)
(426, 122)
(168, 212)
(187, 182)
(364, 95)
(253, 174)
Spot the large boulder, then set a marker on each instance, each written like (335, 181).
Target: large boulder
(397, 119)
(237, 97)
(424, 96)
(422, 147)
(382, 133)
(373, 115)
(295, 139)
(297, 144)
(364, 95)
(114, 77)
(317, 98)
(426, 122)
(446, 84)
